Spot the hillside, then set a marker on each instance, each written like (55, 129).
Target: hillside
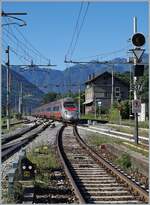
(32, 96)
(51, 80)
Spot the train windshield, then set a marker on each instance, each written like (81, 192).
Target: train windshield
(69, 104)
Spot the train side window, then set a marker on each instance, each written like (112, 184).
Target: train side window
(69, 104)
(56, 108)
(49, 109)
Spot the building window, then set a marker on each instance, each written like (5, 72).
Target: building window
(117, 91)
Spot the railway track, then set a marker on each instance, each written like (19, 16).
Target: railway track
(12, 146)
(15, 123)
(94, 179)
(116, 134)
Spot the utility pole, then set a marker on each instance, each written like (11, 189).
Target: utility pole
(20, 99)
(112, 87)
(95, 105)
(79, 101)
(135, 82)
(8, 90)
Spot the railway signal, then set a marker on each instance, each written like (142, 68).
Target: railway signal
(138, 39)
(27, 169)
(138, 70)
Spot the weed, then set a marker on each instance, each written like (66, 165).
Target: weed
(124, 161)
(43, 157)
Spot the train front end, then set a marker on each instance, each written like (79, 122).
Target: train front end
(70, 111)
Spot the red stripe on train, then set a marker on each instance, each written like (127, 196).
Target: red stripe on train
(71, 108)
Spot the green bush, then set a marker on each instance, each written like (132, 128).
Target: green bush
(114, 115)
(124, 161)
(18, 191)
(125, 109)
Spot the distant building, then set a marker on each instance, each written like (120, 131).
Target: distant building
(98, 91)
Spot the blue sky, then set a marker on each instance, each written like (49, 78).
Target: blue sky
(107, 28)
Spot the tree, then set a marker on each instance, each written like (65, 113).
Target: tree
(49, 97)
(143, 92)
(123, 76)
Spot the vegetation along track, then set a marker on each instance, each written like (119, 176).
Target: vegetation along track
(94, 179)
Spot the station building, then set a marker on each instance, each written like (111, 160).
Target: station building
(98, 91)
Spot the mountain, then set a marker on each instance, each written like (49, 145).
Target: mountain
(51, 80)
(32, 96)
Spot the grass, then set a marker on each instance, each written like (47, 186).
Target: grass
(12, 128)
(43, 157)
(99, 139)
(124, 161)
(7, 199)
(127, 122)
(133, 148)
(130, 130)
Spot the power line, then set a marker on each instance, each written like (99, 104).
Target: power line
(29, 43)
(30, 48)
(79, 31)
(104, 54)
(17, 42)
(75, 29)
(16, 53)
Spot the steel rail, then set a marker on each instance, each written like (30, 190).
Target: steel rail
(6, 138)
(63, 159)
(15, 123)
(11, 148)
(143, 194)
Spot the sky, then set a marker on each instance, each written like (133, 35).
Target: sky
(107, 28)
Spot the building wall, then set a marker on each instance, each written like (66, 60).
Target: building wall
(89, 94)
(101, 90)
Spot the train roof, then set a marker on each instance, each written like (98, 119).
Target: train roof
(67, 99)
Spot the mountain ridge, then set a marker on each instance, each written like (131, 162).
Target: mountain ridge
(54, 80)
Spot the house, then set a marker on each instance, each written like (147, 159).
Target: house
(98, 91)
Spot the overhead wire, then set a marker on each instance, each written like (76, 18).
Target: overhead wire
(31, 45)
(27, 48)
(103, 54)
(17, 53)
(28, 43)
(79, 31)
(17, 43)
(75, 28)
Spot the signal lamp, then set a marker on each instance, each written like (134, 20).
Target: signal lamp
(138, 39)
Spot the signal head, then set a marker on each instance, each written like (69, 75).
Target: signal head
(138, 39)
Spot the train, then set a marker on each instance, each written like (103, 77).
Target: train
(62, 110)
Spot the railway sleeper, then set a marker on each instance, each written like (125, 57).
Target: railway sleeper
(116, 188)
(116, 202)
(113, 197)
(108, 193)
